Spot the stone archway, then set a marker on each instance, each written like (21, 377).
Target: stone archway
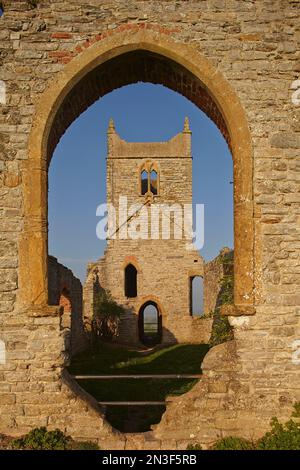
(154, 337)
(150, 56)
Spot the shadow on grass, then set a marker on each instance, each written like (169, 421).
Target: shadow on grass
(177, 359)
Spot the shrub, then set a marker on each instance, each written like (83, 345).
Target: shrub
(33, 3)
(281, 437)
(83, 445)
(41, 439)
(296, 412)
(233, 443)
(195, 446)
(107, 313)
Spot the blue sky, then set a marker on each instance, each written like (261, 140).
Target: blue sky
(142, 112)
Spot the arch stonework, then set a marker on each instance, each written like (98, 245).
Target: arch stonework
(231, 76)
(131, 259)
(34, 243)
(151, 298)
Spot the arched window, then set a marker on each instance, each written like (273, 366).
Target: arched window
(130, 281)
(144, 182)
(153, 182)
(196, 296)
(149, 179)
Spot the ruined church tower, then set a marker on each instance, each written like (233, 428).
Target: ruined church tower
(149, 263)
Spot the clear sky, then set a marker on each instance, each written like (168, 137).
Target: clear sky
(142, 112)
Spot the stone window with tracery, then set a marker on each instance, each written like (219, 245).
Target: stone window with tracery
(149, 179)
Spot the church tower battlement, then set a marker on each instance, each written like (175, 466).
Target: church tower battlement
(149, 172)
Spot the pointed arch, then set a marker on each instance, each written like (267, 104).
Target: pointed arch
(150, 323)
(149, 178)
(199, 81)
(130, 281)
(144, 178)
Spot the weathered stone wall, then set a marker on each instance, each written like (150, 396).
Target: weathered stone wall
(66, 290)
(214, 272)
(251, 47)
(36, 390)
(177, 327)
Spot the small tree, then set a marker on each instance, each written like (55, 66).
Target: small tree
(106, 317)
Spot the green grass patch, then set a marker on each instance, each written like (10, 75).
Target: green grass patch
(114, 360)
(111, 359)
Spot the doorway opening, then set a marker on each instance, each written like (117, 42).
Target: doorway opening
(150, 324)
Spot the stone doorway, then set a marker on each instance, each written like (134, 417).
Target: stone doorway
(150, 324)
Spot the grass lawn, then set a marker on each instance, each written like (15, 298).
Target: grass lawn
(111, 359)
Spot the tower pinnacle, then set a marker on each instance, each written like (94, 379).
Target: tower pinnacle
(186, 128)
(111, 126)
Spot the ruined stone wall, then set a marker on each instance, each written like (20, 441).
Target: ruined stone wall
(252, 45)
(91, 289)
(169, 288)
(66, 290)
(214, 271)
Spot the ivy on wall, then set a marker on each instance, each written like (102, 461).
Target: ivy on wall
(221, 329)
